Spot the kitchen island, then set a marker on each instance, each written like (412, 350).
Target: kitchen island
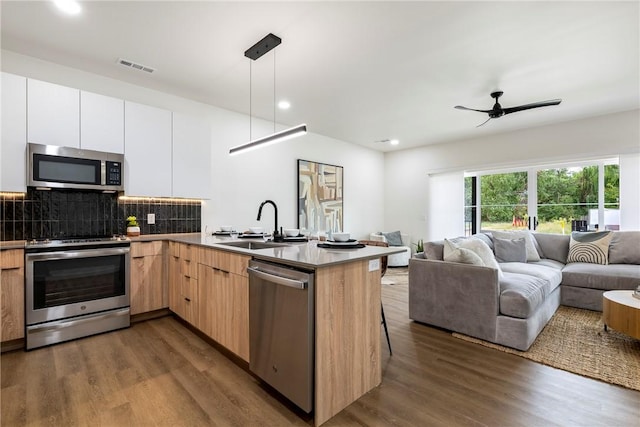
(347, 309)
(166, 270)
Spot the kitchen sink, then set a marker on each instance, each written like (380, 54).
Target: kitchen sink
(253, 245)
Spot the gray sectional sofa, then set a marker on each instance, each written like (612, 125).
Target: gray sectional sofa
(512, 307)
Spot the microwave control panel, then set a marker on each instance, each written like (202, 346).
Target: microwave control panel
(114, 173)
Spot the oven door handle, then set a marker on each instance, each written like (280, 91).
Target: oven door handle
(62, 324)
(45, 256)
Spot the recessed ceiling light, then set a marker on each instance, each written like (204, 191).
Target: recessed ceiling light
(284, 105)
(394, 142)
(72, 7)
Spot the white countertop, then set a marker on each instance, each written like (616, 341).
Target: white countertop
(304, 254)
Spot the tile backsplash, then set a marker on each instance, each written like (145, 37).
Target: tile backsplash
(73, 213)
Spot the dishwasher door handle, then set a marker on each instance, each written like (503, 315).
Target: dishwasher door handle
(297, 284)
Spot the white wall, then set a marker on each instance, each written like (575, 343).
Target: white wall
(240, 183)
(407, 199)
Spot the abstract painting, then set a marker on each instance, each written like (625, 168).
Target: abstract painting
(320, 193)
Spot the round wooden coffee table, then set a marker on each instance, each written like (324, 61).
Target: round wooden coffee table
(621, 311)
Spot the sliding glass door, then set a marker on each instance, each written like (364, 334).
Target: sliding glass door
(551, 200)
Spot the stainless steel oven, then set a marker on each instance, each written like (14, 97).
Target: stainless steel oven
(75, 288)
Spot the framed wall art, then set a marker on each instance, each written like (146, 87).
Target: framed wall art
(320, 196)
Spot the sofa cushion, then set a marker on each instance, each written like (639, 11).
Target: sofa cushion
(521, 294)
(553, 246)
(597, 276)
(552, 274)
(550, 263)
(532, 253)
(510, 250)
(434, 250)
(589, 247)
(624, 247)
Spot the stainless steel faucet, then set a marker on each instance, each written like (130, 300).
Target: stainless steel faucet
(276, 235)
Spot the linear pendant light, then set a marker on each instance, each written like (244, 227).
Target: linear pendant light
(269, 42)
(271, 139)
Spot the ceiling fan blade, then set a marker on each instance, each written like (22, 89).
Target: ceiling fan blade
(532, 105)
(483, 122)
(460, 107)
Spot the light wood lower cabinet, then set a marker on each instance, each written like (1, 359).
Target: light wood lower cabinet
(183, 277)
(148, 286)
(224, 308)
(12, 294)
(223, 297)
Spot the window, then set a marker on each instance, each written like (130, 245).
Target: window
(551, 200)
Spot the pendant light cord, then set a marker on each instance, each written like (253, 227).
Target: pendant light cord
(250, 98)
(274, 91)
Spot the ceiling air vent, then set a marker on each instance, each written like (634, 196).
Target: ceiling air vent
(135, 65)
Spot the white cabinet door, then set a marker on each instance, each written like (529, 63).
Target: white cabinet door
(101, 123)
(54, 114)
(13, 148)
(191, 157)
(147, 150)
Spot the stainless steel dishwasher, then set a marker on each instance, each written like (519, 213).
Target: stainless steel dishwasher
(281, 329)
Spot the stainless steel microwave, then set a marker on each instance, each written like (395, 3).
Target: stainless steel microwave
(49, 166)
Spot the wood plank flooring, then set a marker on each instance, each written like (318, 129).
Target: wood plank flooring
(158, 372)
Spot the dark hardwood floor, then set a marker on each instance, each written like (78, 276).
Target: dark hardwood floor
(158, 372)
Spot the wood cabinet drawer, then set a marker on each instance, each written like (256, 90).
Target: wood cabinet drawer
(189, 252)
(189, 268)
(189, 288)
(174, 249)
(225, 261)
(140, 249)
(11, 258)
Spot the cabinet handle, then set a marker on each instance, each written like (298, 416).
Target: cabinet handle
(10, 268)
(187, 299)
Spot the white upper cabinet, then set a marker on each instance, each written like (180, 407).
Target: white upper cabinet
(101, 123)
(13, 175)
(191, 157)
(147, 150)
(54, 114)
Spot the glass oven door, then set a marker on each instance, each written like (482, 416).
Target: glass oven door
(69, 283)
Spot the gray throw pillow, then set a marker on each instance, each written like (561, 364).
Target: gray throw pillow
(394, 238)
(510, 250)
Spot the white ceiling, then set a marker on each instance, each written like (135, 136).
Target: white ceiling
(357, 71)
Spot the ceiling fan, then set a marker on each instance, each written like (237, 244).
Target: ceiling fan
(498, 111)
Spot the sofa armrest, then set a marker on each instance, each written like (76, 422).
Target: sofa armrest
(460, 297)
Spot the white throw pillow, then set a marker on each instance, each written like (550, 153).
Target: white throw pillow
(464, 256)
(532, 253)
(478, 247)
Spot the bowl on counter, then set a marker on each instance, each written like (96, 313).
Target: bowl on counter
(291, 232)
(226, 228)
(341, 237)
(256, 230)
